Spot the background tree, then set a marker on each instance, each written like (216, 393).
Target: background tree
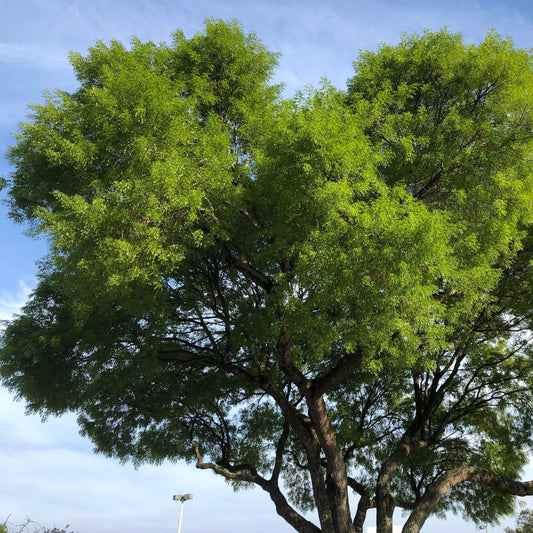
(524, 522)
(315, 296)
(29, 526)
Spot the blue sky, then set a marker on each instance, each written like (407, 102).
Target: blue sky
(48, 472)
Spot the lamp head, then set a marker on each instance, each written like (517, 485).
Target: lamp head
(182, 497)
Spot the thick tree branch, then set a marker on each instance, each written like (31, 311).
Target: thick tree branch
(384, 501)
(447, 481)
(288, 368)
(365, 503)
(337, 374)
(236, 258)
(295, 519)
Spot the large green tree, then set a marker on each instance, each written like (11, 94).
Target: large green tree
(318, 296)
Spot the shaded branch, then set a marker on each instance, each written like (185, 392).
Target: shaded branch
(237, 259)
(336, 374)
(292, 517)
(232, 475)
(286, 511)
(438, 489)
(280, 450)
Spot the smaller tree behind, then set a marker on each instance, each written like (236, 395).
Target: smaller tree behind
(524, 522)
(30, 526)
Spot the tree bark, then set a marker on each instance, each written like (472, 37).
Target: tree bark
(384, 508)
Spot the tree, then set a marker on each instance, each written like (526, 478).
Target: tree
(29, 526)
(524, 522)
(316, 296)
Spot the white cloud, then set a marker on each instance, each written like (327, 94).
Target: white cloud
(56, 479)
(11, 302)
(32, 54)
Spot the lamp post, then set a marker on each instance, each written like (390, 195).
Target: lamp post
(485, 527)
(181, 498)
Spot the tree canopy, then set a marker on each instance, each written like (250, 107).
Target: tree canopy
(320, 295)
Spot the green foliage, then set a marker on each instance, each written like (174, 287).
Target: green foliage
(223, 263)
(524, 522)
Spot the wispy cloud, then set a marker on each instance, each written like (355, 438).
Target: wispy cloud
(32, 54)
(54, 478)
(11, 302)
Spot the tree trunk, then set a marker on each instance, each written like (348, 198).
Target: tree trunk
(337, 479)
(384, 509)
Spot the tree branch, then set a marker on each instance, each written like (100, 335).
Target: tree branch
(236, 258)
(297, 521)
(447, 481)
(337, 374)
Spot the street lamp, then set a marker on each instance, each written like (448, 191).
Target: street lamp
(483, 526)
(181, 498)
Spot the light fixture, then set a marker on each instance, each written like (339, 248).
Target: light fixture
(181, 498)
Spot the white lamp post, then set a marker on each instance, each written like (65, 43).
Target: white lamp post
(182, 498)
